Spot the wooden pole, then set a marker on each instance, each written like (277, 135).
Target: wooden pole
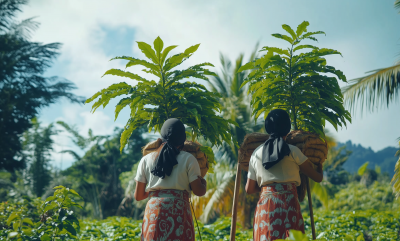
(235, 203)
(311, 209)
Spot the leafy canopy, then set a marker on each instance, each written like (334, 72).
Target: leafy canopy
(188, 101)
(296, 82)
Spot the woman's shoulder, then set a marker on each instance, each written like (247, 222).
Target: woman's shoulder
(295, 151)
(185, 155)
(292, 147)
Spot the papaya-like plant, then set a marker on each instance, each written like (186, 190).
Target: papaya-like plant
(296, 82)
(152, 102)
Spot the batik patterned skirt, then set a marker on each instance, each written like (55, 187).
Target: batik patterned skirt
(278, 211)
(168, 217)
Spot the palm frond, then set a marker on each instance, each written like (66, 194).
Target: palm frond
(8, 10)
(397, 5)
(72, 153)
(221, 196)
(377, 89)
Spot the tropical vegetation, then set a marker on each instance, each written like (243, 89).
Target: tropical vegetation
(152, 103)
(296, 83)
(92, 199)
(379, 88)
(23, 88)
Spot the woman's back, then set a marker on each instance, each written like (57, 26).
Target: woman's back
(185, 172)
(285, 171)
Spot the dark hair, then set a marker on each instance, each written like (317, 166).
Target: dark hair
(161, 146)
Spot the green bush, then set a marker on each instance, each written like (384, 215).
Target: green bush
(41, 220)
(54, 219)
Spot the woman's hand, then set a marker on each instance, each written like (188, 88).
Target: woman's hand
(252, 186)
(199, 186)
(203, 181)
(319, 167)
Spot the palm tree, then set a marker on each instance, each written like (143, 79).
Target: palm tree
(37, 145)
(87, 185)
(23, 88)
(235, 107)
(235, 103)
(379, 88)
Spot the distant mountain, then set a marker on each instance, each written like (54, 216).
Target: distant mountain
(384, 158)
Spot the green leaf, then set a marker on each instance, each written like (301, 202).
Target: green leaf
(191, 49)
(303, 47)
(362, 169)
(12, 217)
(248, 66)
(302, 28)
(148, 51)
(122, 104)
(284, 37)
(127, 74)
(70, 229)
(45, 237)
(165, 53)
(28, 221)
(158, 46)
(289, 30)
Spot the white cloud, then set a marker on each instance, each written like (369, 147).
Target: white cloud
(231, 27)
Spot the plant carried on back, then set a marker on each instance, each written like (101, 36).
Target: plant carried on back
(295, 82)
(153, 102)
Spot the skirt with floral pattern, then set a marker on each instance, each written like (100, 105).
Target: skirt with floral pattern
(168, 216)
(278, 211)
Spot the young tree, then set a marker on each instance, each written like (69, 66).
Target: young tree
(37, 145)
(296, 82)
(153, 102)
(23, 89)
(96, 174)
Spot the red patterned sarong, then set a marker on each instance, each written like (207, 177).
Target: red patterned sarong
(278, 211)
(168, 216)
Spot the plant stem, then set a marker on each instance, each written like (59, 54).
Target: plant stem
(165, 100)
(291, 92)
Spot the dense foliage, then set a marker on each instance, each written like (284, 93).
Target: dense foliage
(41, 220)
(46, 220)
(23, 89)
(153, 102)
(296, 83)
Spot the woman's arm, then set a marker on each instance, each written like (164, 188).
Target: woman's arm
(199, 186)
(307, 168)
(252, 186)
(140, 193)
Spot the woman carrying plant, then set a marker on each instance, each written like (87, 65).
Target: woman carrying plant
(170, 174)
(274, 170)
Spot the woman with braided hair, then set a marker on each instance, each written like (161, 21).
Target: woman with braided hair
(170, 175)
(274, 171)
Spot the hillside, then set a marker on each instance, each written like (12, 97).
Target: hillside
(384, 158)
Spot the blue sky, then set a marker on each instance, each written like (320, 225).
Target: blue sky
(92, 32)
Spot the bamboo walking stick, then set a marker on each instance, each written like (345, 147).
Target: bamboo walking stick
(311, 209)
(235, 202)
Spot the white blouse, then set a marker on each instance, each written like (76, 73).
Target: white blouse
(186, 171)
(285, 171)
